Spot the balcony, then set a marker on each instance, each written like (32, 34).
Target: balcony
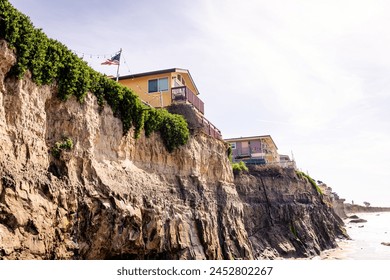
(210, 129)
(184, 94)
(248, 152)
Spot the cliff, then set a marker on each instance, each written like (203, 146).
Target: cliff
(355, 208)
(110, 196)
(285, 216)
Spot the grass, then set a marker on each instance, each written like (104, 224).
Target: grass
(312, 182)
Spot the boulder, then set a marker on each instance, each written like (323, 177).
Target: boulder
(356, 221)
(353, 217)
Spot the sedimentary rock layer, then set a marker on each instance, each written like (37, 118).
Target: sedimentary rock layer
(113, 197)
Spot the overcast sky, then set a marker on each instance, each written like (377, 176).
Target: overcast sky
(313, 74)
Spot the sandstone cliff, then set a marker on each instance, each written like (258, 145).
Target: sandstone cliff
(109, 196)
(112, 196)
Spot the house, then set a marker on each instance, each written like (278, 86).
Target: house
(164, 87)
(254, 150)
(175, 90)
(286, 162)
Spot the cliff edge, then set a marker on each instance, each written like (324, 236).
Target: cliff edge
(109, 196)
(285, 216)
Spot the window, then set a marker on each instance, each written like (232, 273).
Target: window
(181, 79)
(157, 85)
(233, 145)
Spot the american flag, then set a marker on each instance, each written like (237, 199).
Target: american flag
(113, 60)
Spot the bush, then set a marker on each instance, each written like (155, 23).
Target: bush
(239, 167)
(65, 144)
(50, 61)
(174, 131)
(312, 182)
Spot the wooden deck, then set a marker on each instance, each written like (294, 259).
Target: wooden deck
(184, 94)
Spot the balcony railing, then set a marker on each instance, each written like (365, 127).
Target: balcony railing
(184, 94)
(210, 129)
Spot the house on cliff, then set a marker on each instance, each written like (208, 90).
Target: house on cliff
(254, 150)
(286, 162)
(175, 90)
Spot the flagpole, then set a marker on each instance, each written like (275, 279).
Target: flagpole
(117, 71)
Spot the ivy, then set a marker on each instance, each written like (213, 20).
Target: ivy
(172, 132)
(49, 61)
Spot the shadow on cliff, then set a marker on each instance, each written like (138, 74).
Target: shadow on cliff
(284, 215)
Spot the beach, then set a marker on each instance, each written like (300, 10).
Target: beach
(366, 239)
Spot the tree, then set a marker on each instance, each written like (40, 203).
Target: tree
(367, 203)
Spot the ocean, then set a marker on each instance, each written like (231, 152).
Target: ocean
(366, 239)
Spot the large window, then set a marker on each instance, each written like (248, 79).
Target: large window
(157, 85)
(233, 145)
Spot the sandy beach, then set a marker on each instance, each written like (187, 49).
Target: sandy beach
(366, 239)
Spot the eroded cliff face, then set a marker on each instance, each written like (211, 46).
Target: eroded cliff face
(112, 196)
(285, 216)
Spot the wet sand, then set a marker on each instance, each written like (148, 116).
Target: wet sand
(366, 239)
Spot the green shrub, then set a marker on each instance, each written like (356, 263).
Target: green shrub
(153, 120)
(312, 182)
(239, 167)
(50, 61)
(65, 144)
(174, 131)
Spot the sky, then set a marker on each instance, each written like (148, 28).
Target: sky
(314, 74)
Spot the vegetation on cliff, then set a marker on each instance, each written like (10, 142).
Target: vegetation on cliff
(103, 203)
(313, 183)
(239, 167)
(49, 61)
(65, 144)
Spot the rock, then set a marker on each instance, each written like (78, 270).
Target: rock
(353, 217)
(286, 213)
(114, 197)
(355, 208)
(7, 58)
(110, 196)
(358, 221)
(386, 243)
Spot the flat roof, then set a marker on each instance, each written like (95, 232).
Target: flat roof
(250, 138)
(158, 72)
